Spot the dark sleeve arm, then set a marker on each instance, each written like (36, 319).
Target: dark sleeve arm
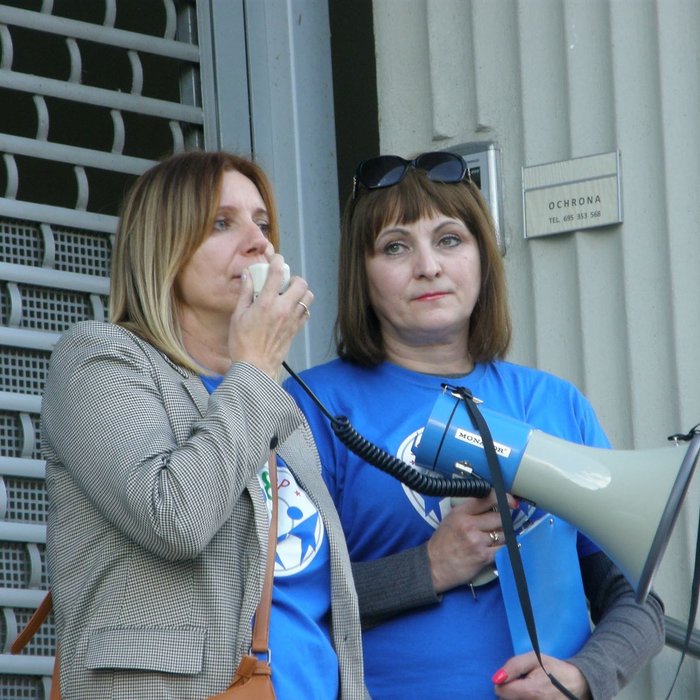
(393, 584)
(626, 635)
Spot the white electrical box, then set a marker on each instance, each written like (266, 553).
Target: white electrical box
(483, 158)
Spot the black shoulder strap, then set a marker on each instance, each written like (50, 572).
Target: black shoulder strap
(509, 531)
(695, 585)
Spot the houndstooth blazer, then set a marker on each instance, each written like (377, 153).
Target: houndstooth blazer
(157, 527)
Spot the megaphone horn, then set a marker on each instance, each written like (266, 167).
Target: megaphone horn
(626, 501)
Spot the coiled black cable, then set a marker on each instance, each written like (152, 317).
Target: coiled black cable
(418, 481)
(423, 483)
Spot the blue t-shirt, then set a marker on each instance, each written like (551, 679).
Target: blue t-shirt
(451, 649)
(305, 664)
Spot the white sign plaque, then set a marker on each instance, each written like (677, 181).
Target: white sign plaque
(572, 195)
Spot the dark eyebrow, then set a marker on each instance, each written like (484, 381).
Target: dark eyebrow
(394, 229)
(403, 231)
(451, 222)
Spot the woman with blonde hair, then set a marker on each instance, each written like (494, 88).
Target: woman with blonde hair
(157, 432)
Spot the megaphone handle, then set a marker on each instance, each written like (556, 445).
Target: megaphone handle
(508, 530)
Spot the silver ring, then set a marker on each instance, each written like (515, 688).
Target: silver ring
(306, 308)
(494, 537)
(494, 509)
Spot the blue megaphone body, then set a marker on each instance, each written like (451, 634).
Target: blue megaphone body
(626, 501)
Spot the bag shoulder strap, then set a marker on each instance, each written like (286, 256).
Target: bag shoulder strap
(36, 621)
(261, 627)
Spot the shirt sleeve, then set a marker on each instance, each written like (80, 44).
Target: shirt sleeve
(626, 635)
(393, 584)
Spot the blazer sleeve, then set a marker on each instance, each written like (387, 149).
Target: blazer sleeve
(110, 417)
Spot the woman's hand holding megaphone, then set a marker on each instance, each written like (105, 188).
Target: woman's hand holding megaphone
(465, 542)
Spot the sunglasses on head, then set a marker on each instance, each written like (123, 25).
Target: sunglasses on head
(387, 171)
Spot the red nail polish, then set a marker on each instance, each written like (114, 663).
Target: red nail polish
(517, 502)
(500, 677)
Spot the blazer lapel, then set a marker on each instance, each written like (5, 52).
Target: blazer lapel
(198, 394)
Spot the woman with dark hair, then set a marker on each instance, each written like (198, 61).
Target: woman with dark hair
(422, 303)
(157, 429)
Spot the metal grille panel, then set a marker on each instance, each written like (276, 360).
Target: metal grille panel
(99, 92)
(21, 687)
(52, 310)
(10, 434)
(14, 566)
(23, 371)
(82, 252)
(26, 500)
(20, 242)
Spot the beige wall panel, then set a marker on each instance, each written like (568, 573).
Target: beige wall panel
(613, 309)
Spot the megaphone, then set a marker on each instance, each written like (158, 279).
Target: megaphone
(626, 501)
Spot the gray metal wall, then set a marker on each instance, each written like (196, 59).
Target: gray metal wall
(615, 310)
(91, 96)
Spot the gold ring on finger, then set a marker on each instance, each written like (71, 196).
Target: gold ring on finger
(306, 309)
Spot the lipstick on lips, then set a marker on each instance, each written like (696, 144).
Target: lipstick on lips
(430, 296)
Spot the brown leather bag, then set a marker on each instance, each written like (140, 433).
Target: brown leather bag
(253, 677)
(252, 681)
